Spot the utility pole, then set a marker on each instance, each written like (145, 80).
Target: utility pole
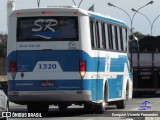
(38, 2)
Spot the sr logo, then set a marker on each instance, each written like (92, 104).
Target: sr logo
(49, 24)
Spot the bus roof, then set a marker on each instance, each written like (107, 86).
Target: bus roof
(103, 17)
(74, 8)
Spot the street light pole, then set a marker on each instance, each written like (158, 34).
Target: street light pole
(151, 23)
(121, 9)
(131, 20)
(145, 17)
(151, 2)
(154, 22)
(38, 2)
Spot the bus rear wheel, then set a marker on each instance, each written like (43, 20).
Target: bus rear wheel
(42, 108)
(100, 108)
(62, 106)
(88, 107)
(121, 104)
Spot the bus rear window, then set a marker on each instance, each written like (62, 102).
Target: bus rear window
(47, 29)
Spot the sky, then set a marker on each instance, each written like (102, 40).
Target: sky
(140, 23)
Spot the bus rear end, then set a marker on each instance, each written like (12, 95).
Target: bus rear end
(44, 58)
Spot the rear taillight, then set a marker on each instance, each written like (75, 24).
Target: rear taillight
(13, 66)
(82, 67)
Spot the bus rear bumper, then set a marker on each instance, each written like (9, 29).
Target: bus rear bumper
(49, 96)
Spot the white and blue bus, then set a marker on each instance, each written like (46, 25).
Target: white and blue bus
(65, 55)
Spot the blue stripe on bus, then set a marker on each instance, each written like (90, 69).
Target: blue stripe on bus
(117, 64)
(96, 86)
(93, 62)
(35, 85)
(115, 87)
(85, 84)
(107, 19)
(68, 60)
(97, 90)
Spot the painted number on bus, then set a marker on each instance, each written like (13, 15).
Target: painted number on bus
(47, 66)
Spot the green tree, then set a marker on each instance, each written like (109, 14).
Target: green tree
(139, 35)
(3, 44)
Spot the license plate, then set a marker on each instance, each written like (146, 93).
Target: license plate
(146, 77)
(47, 83)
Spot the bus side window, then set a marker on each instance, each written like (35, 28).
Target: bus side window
(113, 38)
(124, 39)
(121, 38)
(127, 37)
(110, 36)
(93, 33)
(97, 35)
(118, 38)
(106, 35)
(100, 35)
(103, 36)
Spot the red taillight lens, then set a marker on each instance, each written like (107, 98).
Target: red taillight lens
(82, 65)
(13, 66)
(82, 68)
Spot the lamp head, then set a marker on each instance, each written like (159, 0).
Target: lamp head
(151, 2)
(111, 5)
(133, 10)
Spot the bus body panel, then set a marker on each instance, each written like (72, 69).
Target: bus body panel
(49, 71)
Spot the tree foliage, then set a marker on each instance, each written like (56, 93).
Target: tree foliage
(139, 35)
(3, 44)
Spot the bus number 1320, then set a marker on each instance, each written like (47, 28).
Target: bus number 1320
(47, 66)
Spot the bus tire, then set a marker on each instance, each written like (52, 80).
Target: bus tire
(31, 108)
(127, 91)
(100, 108)
(62, 106)
(88, 107)
(121, 104)
(42, 108)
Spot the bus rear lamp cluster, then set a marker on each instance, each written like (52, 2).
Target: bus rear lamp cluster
(82, 67)
(13, 67)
